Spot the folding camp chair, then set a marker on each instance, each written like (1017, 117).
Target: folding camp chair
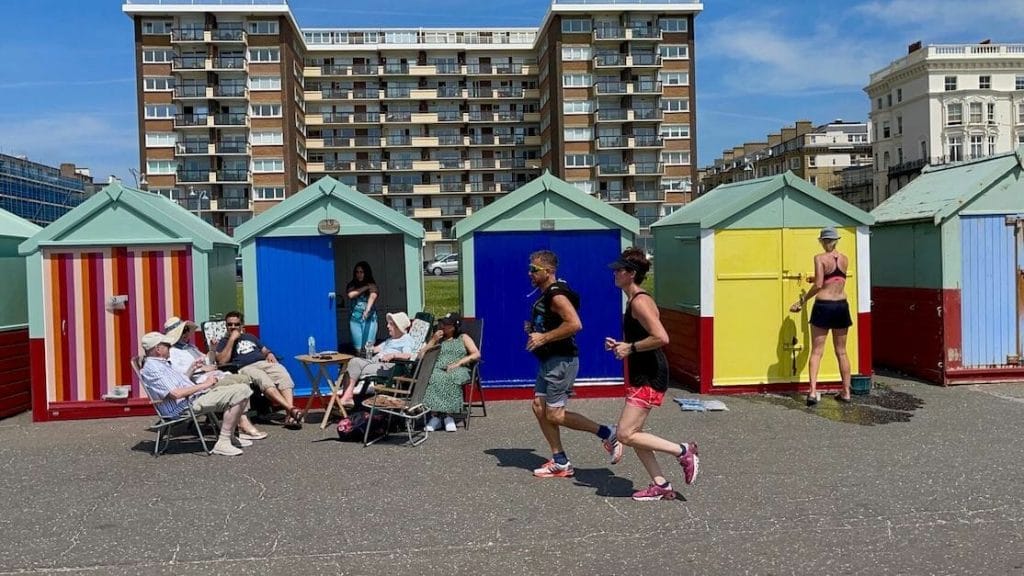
(474, 328)
(405, 403)
(419, 331)
(164, 424)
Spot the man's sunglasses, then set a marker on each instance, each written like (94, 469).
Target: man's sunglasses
(232, 324)
(535, 269)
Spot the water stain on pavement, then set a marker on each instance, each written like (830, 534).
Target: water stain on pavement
(882, 406)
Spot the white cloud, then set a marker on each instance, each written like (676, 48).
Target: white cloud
(104, 144)
(940, 21)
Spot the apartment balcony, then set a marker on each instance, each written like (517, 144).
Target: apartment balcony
(189, 63)
(396, 68)
(480, 93)
(645, 33)
(450, 140)
(612, 87)
(366, 142)
(230, 91)
(482, 140)
(397, 93)
(646, 141)
(426, 165)
(651, 195)
(192, 148)
(609, 33)
(508, 69)
(400, 188)
(398, 117)
(364, 70)
(397, 165)
(612, 114)
(232, 147)
(334, 70)
(424, 141)
(194, 204)
(228, 63)
(399, 140)
(615, 196)
(337, 142)
(449, 92)
(644, 60)
(189, 92)
(228, 35)
(646, 114)
(230, 119)
(335, 93)
(610, 61)
(449, 68)
(232, 175)
(613, 169)
(647, 221)
(422, 93)
(648, 168)
(483, 163)
(365, 117)
(509, 92)
(190, 120)
(449, 116)
(370, 187)
(612, 142)
(476, 187)
(368, 165)
(631, 197)
(451, 164)
(232, 204)
(426, 188)
(193, 176)
(188, 35)
(647, 88)
(453, 210)
(426, 212)
(423, 118)
(433, 236)
(366, 94)
(453, 187)
(336, 117)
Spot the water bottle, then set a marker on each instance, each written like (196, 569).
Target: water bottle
(312, 346)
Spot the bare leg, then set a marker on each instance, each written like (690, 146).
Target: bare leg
(562, 417)
(550, 431)
(839, 342)
(817, 350)
(230, 420)
(630, 432)
(244, 424)
(275, 395)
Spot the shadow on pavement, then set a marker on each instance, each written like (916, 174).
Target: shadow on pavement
(882, 406)
(524, 458)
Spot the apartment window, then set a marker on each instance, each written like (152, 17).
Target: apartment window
(161, 139)
(157, 26)
(158, 84)
(577, 80)
(676, 158)
(579, 160)
(577, 107)
(265, 83)
(585, 186)
(263, 27)
(1018, 82)
(159, 111)
(794, 163)
(264, 165)
(950, 83)
(675, 130)
(579, 134)
(878, 103)
(991, 145)
(975, 112)
(676, 184)
(674, 78)
(956, 148)
(575, 52)
(899, 156)
(400, 37)
(673, 24)
(157, 56)
(924, 150)
(885, 129)
(674, 51)
(576, 25)
(899, 125)
(266, 110)
(954, 114)
(888, 99)
(812, 161)
(885, 160)
(161, 167)
(267, 138)
(990, 113)
(985, 82)
(675, 104)
(976, 146)
(1020, 113)
(264, 54)
(899, 95)
(268, 193)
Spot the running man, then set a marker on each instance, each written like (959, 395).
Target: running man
(554, 323)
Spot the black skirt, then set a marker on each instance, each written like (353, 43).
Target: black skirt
(831, 314)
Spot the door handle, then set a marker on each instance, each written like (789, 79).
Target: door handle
(63, 327)
(787, 275)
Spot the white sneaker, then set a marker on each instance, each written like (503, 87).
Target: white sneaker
(224, 448)
(433, 424)
(240, 442)
(449, 424)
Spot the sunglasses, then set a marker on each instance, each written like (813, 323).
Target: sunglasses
(232, 324)
(535, 269)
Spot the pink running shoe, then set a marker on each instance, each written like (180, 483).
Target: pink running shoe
(690, 463)
(613, 447)
(655, 492)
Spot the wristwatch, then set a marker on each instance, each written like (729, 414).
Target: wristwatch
(632, 347)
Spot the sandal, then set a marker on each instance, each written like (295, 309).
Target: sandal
(294, 419)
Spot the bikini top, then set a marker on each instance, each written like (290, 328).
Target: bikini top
(836, 273)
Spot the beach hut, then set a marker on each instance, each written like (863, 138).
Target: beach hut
(948, 273)
(101, 276)
(298, 256)
(731, 263)
(495, 244)
(15, 390)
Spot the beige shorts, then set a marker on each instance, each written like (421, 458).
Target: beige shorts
(268, 374)
(221, 397)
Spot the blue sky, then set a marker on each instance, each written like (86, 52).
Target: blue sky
(67, 72)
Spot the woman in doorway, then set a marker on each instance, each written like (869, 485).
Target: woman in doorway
(362, 295)
(646, 375)
(451, 371)
(831, 311)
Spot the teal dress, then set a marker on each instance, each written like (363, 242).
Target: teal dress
(444, 390)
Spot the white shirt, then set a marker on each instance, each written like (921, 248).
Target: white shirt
(182, 359)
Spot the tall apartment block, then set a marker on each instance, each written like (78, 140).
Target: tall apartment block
(40, 193)
(818, 154)
(240, 107)
(944, 103)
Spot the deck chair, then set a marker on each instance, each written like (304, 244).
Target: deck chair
(474, 328)
(405, 401)
(419, 331)
(163, 426)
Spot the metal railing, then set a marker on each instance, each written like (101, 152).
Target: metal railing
(333, 70)
(647, 113)
(648, 168)
(612, 142)
(188, 35)
(229, 119)
(449, 92)
(366, 117)
(646, 59)
(334, 93)
(401, 188)
(370, 187)
(228, 35)
(364, 69)
(232, 147)
(449, 116)
(366, 93)
(449, 187)
(399, 140)
(647, 87)
(194, 147)
(190, 91)
(193, 175)
(612, 114)
(230, 91)
(645, 141)
(233, 204)
(190, 119)
(450, 164)
(611, 87)
(398, 117)
(397, 92)
(368, 164)
(336, 117)
(189, 63)
(449, 139)
(232, 175)
(229, 62)
(610, 60)
(400, 164)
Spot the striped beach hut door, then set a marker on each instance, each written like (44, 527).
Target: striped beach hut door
(89, 340)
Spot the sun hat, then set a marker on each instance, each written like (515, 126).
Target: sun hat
(401, 320)
(828, 233)
(152, 339)
(175, 326)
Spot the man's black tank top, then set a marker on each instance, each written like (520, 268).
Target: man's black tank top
(544, 319)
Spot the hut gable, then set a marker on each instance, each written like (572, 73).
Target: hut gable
(993, 183)
(328, 198)
(14, 226)
(119, 214)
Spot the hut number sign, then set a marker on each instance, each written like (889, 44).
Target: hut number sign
(328, 226)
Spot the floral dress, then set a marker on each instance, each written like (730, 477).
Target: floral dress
(444, 391)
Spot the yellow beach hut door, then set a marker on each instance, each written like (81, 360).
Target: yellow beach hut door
(758, 275)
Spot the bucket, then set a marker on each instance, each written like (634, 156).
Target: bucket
(860, 384)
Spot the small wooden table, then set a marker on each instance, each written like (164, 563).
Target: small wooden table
(322, 373)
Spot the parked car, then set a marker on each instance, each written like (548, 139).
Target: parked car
(444, 265)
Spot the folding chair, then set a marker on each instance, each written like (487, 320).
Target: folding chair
(405, 403)
(216, 330)
(419, 331)
(163, 425)
(474, 328)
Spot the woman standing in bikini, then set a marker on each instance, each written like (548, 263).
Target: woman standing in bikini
(831, 311)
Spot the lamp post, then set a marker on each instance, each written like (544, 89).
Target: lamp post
(203, 195)
(140, 178)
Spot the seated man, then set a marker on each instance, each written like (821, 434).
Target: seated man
(188, 360)
(398, 346)
(174, 390)
(259, 363)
